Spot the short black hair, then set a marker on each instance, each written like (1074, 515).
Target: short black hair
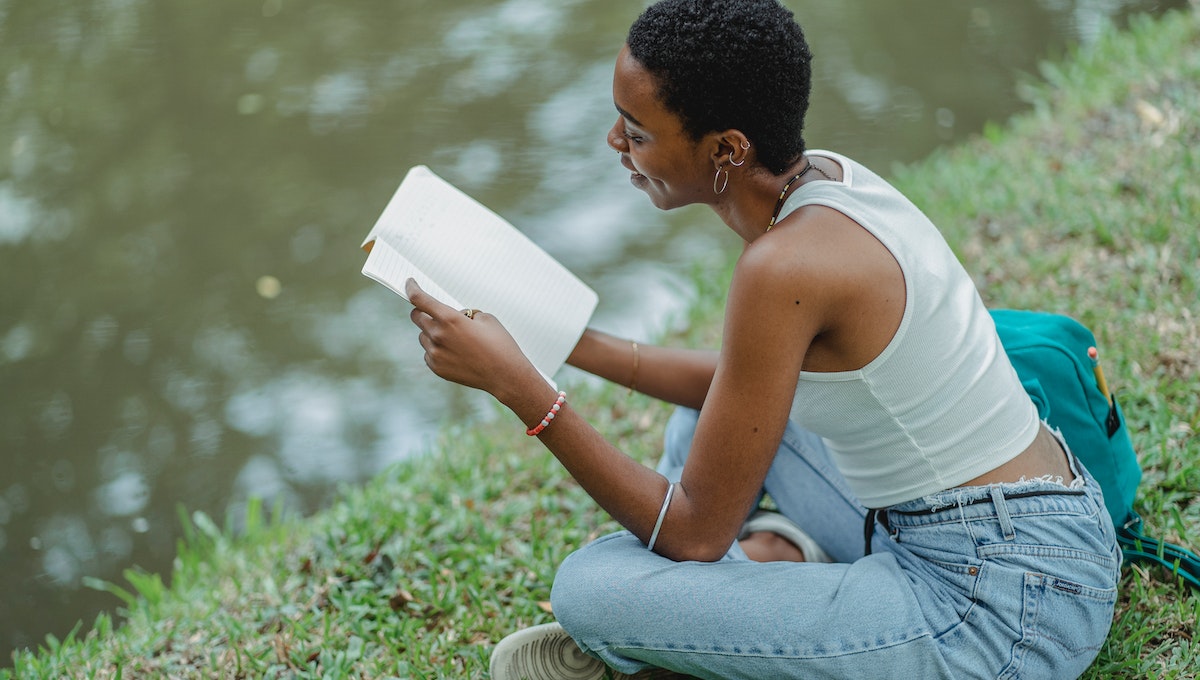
(724, 64)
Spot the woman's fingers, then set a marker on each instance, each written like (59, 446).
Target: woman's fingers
(424, 302)
(468, 346)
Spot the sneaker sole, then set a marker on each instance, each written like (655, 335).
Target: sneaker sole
(545, 652)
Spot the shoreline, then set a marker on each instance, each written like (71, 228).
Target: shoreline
(1085, 205)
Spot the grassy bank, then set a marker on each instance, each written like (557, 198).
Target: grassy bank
(1088, 205)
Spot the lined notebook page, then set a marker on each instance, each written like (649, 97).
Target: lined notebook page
(477, 259)
(386, 266)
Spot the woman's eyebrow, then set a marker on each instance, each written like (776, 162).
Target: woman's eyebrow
(627, 115)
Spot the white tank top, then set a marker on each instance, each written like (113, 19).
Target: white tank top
(941, 404)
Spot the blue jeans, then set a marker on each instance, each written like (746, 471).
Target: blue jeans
(1007, 580)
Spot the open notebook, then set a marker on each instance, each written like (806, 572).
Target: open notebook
(467, 256)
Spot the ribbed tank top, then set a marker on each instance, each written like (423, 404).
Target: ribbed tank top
(941, 404)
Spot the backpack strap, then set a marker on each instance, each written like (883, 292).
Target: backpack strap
(1138, 547)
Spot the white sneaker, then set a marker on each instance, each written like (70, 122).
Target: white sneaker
(774, 522)
(545, 652)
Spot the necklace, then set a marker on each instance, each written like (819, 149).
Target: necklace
(783, 194)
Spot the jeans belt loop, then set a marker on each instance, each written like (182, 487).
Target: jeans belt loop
(873, 514)
(868, 530)
(1001, 505)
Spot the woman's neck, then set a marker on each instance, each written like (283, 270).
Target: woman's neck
(751, 205)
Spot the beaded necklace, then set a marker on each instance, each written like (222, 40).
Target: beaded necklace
(783, 194)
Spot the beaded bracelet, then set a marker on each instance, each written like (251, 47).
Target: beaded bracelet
(537, 429)
(661, 515)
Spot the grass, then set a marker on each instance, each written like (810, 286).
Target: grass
(1087, 205)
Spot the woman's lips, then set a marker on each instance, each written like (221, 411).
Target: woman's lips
(636, 178)
(628, 165)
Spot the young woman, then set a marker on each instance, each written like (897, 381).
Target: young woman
(860, 384)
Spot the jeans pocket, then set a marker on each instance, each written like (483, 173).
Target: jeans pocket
(1063, 625)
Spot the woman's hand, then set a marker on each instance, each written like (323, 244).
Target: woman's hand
(475, 351)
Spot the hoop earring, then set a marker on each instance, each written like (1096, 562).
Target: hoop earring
(745, 145)
(723, 184)
(735, 163)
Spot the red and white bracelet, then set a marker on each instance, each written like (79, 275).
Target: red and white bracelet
(537, 429)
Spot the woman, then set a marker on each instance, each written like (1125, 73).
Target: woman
(858, 370)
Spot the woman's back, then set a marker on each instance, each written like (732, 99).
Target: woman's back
(940, 405)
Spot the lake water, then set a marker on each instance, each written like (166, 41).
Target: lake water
(184, 185)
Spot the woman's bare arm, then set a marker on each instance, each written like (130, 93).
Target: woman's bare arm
(740, 426)
(675, 375)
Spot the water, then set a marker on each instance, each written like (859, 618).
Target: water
(183, 187)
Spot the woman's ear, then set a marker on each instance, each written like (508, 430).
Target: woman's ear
(731, 146)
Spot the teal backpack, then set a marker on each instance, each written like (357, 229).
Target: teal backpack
(1055, 358)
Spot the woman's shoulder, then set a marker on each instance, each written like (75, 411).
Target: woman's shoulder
(820, 252)
(812, 239)
(797, 254)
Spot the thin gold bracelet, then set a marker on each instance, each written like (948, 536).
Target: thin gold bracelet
(633, 380)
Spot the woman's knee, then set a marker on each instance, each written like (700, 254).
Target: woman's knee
(677, 440)
(583, 593)
(681, 427)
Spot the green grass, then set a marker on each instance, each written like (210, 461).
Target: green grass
(1088, 205)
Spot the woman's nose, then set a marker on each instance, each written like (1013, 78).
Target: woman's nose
(616, 138)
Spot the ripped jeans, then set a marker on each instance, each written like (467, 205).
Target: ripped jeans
(1006, 580)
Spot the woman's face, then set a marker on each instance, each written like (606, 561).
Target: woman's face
(666, 163)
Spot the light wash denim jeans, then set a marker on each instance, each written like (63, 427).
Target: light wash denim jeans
(1008, 580)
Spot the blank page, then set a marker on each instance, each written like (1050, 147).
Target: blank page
(480, 260)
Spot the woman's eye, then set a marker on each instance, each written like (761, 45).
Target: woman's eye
(632, 137)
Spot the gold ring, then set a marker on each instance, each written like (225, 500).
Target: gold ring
(470, 313)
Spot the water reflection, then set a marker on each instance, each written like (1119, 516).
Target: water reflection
(181, 317)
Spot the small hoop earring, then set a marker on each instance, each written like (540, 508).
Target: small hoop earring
(745, 145)
(723, 184)
(735, 163)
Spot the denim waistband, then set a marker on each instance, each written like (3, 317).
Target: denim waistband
(1018, 500)
(1002, 500)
